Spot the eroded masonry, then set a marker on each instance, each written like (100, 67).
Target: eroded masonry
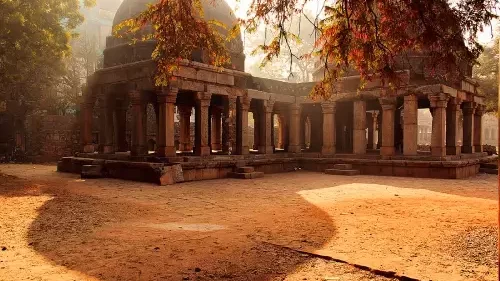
(373, 130)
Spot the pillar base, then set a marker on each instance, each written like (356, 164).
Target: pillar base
(166, 151)
(185, 148)
(266, 150)
(203, 151)
(244, 150)
(478, 148)
(387, 151)
(108, 149)
(453, 150)
(216, 146)
(89, 148)
(294, 149)
(327, 150)
(467, 149)
(438, 151)
(138, 150)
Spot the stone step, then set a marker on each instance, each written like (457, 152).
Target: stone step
(342, 172)
(489, 166)
(245, 170)
(92, 171)
(253, 175)
(342, 166)
(488, 171)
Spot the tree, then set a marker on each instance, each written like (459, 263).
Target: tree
(487, 74)
(284, 66)
(34, 39)
(368, 35)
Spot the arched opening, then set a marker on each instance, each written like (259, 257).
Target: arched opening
(151, 145)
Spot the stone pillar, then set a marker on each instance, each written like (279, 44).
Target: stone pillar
(359, 132)
(229, 129)
(469, 110)
(202, 147)
(139, 146)
(108, 111)
(439, 103)
(120, 121)
(216, 129)
(88, 146)
(453, 146)
(256, 130)
(242, 137)
(372, 122)
(266, 123)
(329, 138)
(295, 130)
(166, 128)
(379, 131)
(478, 129)
(185, 144)
(387, 129)
(410, 125)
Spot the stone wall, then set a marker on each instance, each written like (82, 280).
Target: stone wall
(50, 137)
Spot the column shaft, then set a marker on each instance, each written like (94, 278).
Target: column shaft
(166, 122)
(295, 130)
(266, 142)
(453, 145)
(410, 127)
(478, 129)
(359, 132)
(138, 120)
(438, 141)
(469, 109)
(329, 131)
(202, 147)
(388, 114)
(185, 144)
(242, 138)
(216, 129)
(229, 130)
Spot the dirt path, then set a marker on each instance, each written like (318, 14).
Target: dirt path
(57, 227)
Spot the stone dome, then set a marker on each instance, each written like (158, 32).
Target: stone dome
(219, 11)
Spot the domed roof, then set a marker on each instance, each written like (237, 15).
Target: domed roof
(219, 11)
(119, 52)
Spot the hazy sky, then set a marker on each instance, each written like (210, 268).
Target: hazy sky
(240, 7)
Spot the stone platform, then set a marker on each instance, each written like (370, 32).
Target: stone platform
(172, 170)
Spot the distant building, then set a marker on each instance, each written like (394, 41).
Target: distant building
(99, 20)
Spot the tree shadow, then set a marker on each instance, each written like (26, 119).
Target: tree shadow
(217, 230)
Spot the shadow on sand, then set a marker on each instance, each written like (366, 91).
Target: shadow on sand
(224, 231)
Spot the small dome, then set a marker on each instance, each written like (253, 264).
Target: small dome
(219, 11)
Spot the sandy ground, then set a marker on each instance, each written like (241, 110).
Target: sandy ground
(294, 226)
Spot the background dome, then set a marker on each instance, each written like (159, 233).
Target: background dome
(119, 52)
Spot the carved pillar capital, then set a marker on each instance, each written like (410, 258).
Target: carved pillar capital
(388, 103)
(203, 98)
(454, 104)
(328, 107)
(439, 100)
(136, 97)
(469, 108)
(167, 95)
(480, 110)
(269, 105)
(245, 103)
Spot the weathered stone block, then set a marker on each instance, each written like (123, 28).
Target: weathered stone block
(225, 79)
(92, 171)
(343, 166)
(245, 169)
(206, 76)
(342, 172)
